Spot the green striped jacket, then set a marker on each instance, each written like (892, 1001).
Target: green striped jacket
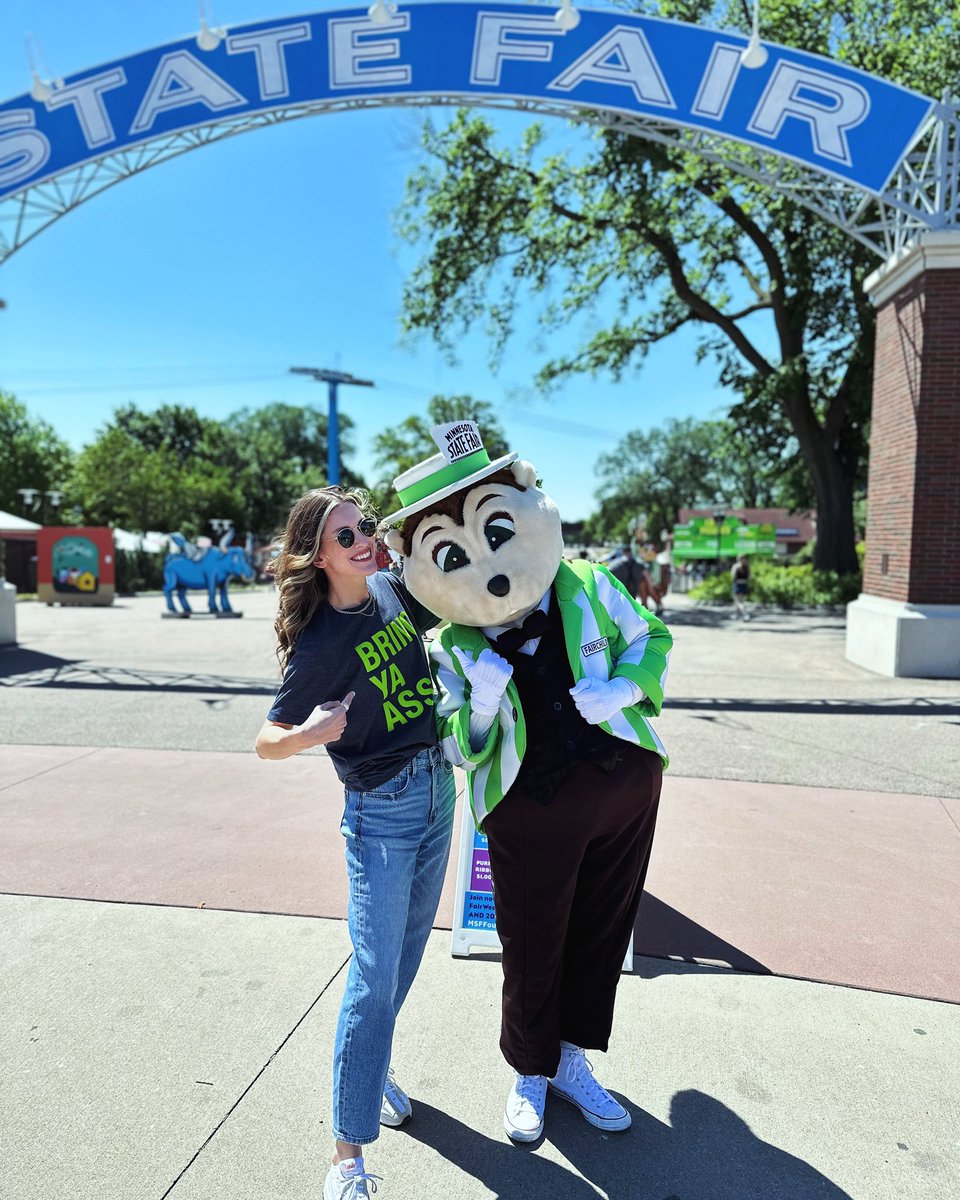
(607, 634)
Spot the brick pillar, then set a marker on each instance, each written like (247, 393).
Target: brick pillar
(907, 621)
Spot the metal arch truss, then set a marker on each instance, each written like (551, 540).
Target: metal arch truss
(923, 194)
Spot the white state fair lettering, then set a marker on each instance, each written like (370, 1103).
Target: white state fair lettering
(623, 57)
(830, 106)
(716, 86)
(23, 149)
(463, 445)
(178, 81)
(269, 48)
(492, 44)
(352, 45)
(86, 99)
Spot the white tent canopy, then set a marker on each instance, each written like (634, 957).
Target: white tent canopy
(11, 524)
(152, 542)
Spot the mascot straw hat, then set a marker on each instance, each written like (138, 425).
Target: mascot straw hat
(461, 463)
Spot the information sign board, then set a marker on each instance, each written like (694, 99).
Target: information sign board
(705, 537)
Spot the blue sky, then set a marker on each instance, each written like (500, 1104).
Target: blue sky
(203, 280)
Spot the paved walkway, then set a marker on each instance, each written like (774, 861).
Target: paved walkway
(173, 942)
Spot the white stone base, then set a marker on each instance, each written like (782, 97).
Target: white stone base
(8, 613)
(915, 641)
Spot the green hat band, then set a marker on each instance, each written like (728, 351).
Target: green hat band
(452, 473)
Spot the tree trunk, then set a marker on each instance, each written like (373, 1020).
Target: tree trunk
(833, 484)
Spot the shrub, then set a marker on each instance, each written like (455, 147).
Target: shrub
(139, 571)
(797, 586)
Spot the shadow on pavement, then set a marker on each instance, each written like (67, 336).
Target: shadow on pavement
(661, 932)
(716, 616)
(15, 660)
(822, 707)
(707, 1152)
(702, 616)
(26, 668)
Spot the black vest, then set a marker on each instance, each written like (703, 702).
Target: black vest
(557, 736)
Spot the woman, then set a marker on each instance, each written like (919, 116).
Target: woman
(349, 637)
(740, 584)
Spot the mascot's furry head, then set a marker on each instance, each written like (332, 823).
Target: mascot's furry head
(481, 542)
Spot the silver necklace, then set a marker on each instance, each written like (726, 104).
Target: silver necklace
(364, 610)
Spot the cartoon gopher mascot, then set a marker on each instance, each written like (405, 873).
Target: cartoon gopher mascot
(548, 671)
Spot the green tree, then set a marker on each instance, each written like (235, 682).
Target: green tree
(748, 478)
(172, 469)
(279, 452)
(178, 430)
(117, 481)
(402, 446)
(684, 464)
(32, 454)
(671, 240)
(168, 470)
(656, 473)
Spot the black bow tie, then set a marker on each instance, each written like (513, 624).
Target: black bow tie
(533, 626)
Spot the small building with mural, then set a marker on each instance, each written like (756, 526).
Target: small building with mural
(75, 565)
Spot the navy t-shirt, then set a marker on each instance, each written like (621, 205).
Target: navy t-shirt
(381, 657)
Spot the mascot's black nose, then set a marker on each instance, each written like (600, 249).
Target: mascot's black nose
(499, 585)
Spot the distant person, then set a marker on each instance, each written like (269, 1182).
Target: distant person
(656, 579)
(630, 572)
(740, 583)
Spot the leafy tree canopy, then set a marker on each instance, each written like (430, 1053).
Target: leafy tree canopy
(402, 446)
(280, 452)
(178, 430)
(118, 481)
(666, 239)
(32, 454)
(172, 469)
(684, 464)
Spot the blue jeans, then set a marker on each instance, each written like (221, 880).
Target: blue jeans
(397, 843)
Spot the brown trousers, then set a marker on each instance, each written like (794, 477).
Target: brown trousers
(567, 881)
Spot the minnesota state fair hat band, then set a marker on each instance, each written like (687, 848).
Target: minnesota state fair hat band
(452, 473)
(462, 461)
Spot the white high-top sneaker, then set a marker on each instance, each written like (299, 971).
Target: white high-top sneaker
(396, 1107)
(347, 1180)
(574, 1081)
(523, 1116)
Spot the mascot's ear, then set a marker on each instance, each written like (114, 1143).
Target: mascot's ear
(524, 473)
(393, 539)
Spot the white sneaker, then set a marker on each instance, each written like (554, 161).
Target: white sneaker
(347, 1180)
(396, 1107)
(574, 1081)
(523, 1116)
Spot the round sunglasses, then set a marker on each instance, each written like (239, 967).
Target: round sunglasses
(346, 537)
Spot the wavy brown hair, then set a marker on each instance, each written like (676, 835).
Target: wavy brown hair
(302, 586)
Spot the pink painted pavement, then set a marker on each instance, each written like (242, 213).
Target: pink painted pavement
(851, 887)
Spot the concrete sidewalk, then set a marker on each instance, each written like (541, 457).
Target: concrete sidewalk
(173, 947)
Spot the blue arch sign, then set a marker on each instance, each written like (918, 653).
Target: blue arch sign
(840, 121)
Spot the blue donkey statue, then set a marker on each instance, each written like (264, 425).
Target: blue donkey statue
(210, 569)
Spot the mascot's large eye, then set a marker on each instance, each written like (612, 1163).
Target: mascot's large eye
(499, 529)
(449, 556)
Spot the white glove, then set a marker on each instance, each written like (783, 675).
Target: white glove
(488, 677)
(600, 699)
